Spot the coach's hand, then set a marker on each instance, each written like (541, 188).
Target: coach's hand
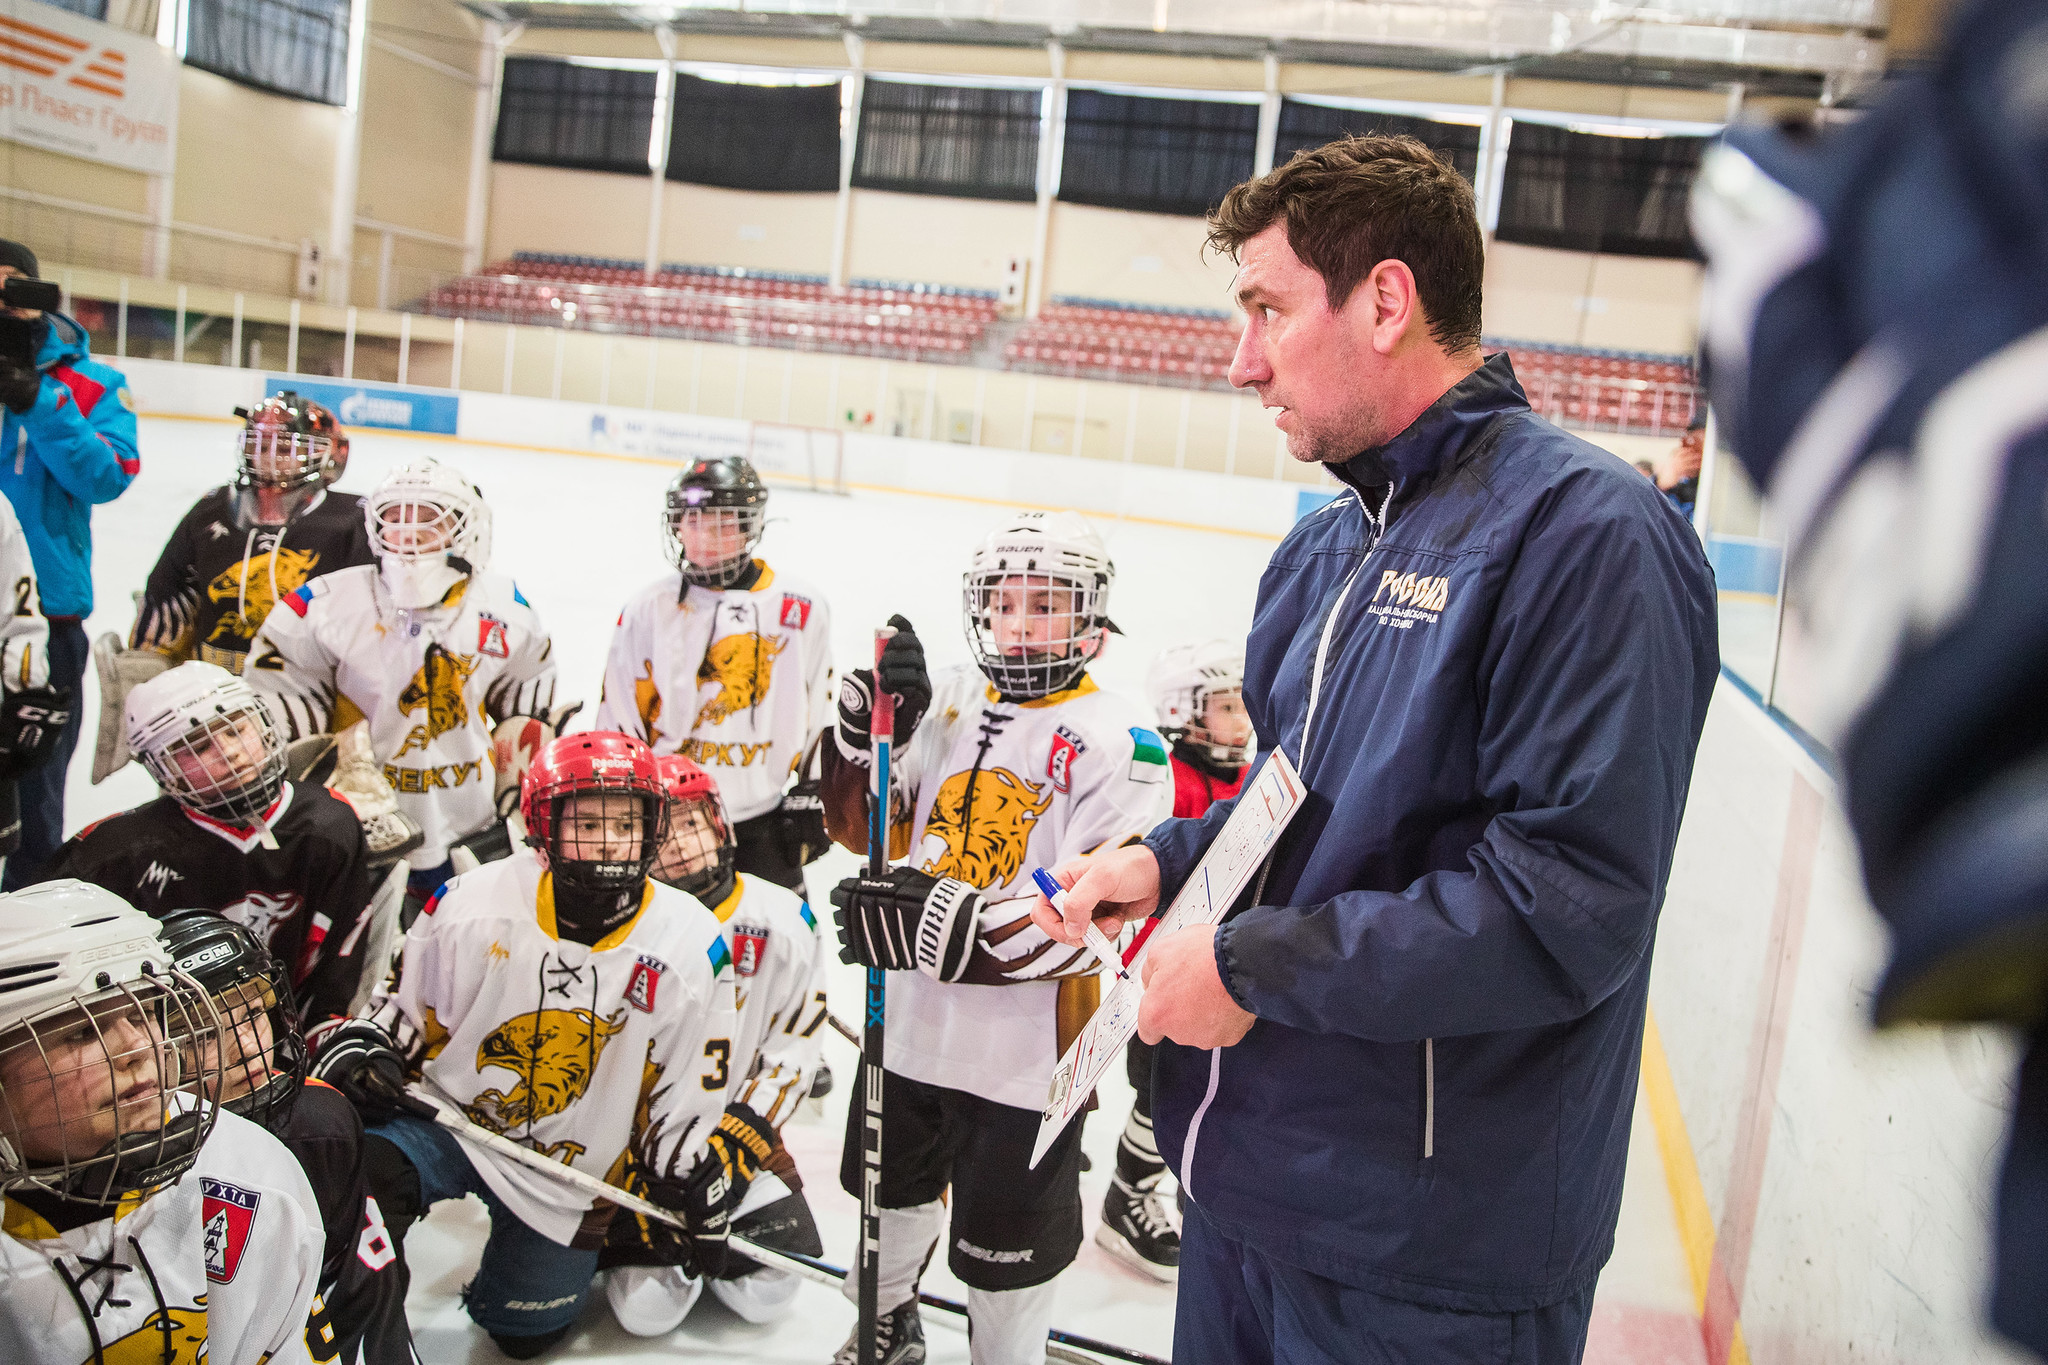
(1110, 888)
(1184, 996)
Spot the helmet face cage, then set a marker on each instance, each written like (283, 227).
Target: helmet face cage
(1196, 731)
(290, 443)
(601, 833)
(261, 1054)
(90, 1102)
(1033, 632)
(412, 526)
(230, 763)
(700, 851)
(711, 545)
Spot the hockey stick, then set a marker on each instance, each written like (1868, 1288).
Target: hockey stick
(791, 1262)
(882, 739)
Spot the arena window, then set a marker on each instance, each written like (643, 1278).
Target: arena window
(590, 118)
(971, 142)
(1155, 155)
(298, 49)
(1584, 191)
(1304, 125)
(744, 136)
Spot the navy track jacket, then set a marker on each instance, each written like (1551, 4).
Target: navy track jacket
(1449, 956)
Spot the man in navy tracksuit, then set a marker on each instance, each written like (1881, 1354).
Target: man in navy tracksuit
(67, 441)
(1400, 1077)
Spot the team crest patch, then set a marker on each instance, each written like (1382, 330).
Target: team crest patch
(640, 990)
(1059, 764)
(796, 611)
(227, 1214)
(490, 638)
(749, 946)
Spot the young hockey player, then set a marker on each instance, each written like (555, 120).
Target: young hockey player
(563, 999)
(428, 648)
(1020, 763)
(360, 1314)
(778, 964)
(231, 834)
(240, 549)
(729, 663)
(141, 1222)
(1197, 692)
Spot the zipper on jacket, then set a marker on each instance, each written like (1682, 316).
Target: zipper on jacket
(1315, 681)
(1428, 1098)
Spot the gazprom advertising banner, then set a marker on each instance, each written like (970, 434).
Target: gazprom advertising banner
(370, 405)
(87, 89)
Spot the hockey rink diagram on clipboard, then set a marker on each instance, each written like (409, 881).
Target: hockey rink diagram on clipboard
(1247, 837)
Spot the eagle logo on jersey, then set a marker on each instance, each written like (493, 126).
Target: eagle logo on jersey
(438, 688)
(249, 586)
(989, 853)
(647, 701)
(553, 1052)
(743, 666)
(145, 1345)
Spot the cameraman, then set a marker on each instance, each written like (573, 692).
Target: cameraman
(68, 433)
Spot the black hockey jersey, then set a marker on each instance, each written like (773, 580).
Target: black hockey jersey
(359, 1318)
(304, 898)
(216, 580)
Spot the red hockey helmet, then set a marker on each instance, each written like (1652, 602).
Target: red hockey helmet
(700, 849)
(594, 806)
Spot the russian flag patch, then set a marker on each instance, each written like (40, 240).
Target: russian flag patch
(297, 600)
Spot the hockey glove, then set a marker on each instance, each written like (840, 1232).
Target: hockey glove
(359, 778)
(800, 821)
(703, 1199)
(31, 722)
(741, 1142)
(362, 1062)
(907, 921)
(903, 677)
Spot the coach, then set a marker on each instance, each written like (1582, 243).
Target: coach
(1399, 1085)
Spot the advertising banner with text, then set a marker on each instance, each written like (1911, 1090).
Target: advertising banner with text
(86, 89)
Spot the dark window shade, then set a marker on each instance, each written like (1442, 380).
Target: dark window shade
(1304, 125)
(1586, 192)
(91, 9)
(298, 48)
(1155, 155)
(588, 118)
(755, 137)
(965, 141)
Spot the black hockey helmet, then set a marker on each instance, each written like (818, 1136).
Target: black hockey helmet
(260, 1076)
(289, 441)
(712, 517)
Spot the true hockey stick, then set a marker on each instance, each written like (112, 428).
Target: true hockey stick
(794, 1263)
(882, 736)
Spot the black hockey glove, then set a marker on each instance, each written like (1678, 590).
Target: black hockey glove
(361, 1062)
(903, 677)
(703, 1199)
(20, 385)
(741, 1142)
(907, 921)
(800, 822)
(31, 722)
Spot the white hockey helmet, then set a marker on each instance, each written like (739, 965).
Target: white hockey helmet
(98, 1033)
(430, 528)
(209, 740)
(1057, 553)
(1180, 683)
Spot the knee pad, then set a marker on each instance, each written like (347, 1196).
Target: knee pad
(760, 1297)
(650, 1301)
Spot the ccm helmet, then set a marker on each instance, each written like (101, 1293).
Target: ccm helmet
(209, 740)
(1036, 601)
(701, 851)
(430, 529)
(711, 520)
(263, 1061)
(593, 763)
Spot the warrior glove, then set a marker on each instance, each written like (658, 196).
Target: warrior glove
(31, 720)
(903, 676)
(362, 1062)
(908, 921)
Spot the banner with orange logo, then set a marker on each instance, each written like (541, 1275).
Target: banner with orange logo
(86, 89)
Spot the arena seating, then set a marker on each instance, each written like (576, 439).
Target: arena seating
(1627, 391)
(1185, 347)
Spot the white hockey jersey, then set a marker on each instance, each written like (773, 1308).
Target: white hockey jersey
(221, 1267)
(778, 964)
(591, 1055)
(737, 681)
(24, 634)
(433, 684)
(1001, 788)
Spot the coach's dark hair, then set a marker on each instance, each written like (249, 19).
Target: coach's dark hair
(1358, 201)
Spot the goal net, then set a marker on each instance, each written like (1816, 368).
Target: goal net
(814, 456)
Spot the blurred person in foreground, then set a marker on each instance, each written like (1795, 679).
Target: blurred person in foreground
(1398, 1081)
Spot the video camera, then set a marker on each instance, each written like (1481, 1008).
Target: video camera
(22, 292)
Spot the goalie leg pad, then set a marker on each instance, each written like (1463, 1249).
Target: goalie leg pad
(120, 670)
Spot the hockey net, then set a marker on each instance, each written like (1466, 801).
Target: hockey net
(813, 456)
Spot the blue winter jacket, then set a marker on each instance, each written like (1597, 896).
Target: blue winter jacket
(1450, 955)
(74, 448)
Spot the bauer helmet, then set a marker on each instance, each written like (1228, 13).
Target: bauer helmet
(605, 849)
(98, 1033)
(210, 742)
(1036, 600)
(701, 851)
(711, 520)
(430, 528)
(289, 442)
(1181, 682)
(262, 1062)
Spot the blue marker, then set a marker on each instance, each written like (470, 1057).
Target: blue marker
(1097, 941)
